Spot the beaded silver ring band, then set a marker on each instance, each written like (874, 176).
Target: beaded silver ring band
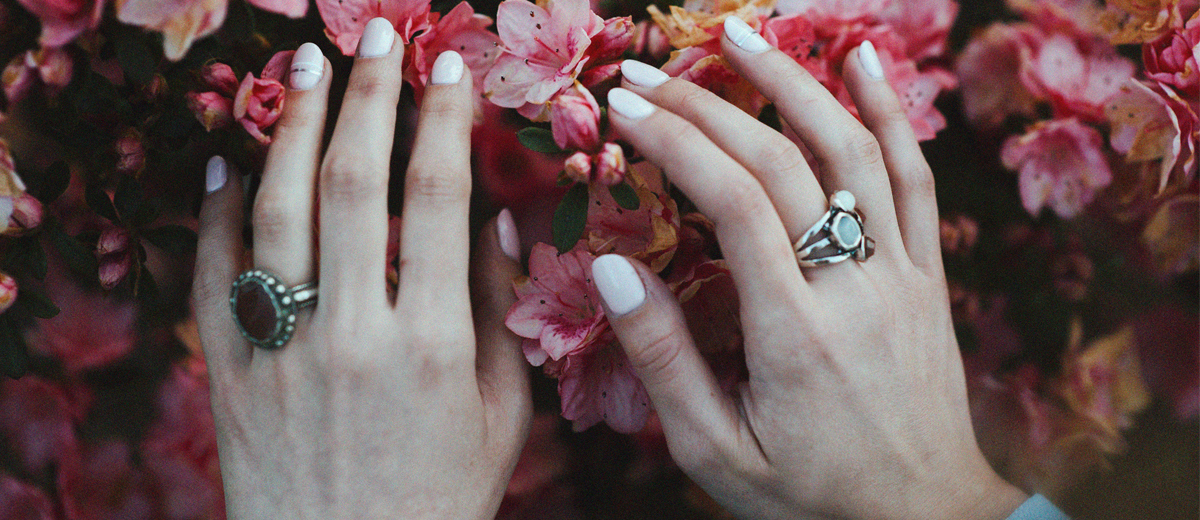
(264, 309)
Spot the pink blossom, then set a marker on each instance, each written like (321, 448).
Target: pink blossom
(578, 167)
(611, 165)
(114, 269)
(1078, 76)
(221, 78)
(23, 501)
(345, 20)
(545, 50)
(601, 386)
(1151, 123)
(8, 291)
(989, 69)
(924, 26)
(289, 8)
(1061, 164)
(558, 306)
(650, 41)
(258, 105)
(131, 155)
(213, 110)
(833, 12)
(26, 214)
(462, 30)
(18, 77)
(36, 419)
(649, 233)
(64, 20)
(575, 119)
(181, 22)
(113, 239)
(105, 484)
(53, 66)
(1174, 58)
(1102, 381)
(711, 71)
(91, 330)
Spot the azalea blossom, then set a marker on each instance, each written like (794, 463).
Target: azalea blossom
(182, 22)
(1061, 164)
(64, 20)
(601, 386)
(462, 30)
(1150, 123)
(546, 50)
(1174, 58)
(989, 69)
(1139, 21)
(558, 305)
(52, 66)
(575, 119)
(1078, 76)
(211, 109)
(345, 20)
(37, 420)
(649, 234)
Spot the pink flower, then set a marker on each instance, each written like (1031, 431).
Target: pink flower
(575, 119)
(91, 330)
(611, 165)
(711, 307)
(181, 22)
(24, 214)
(17, 79)
(258, 105)
(37, 420)
(53, 66)
(64, 20)
(1151, 123)
(649, 233)
(511, 174)
(1174, 58)
(113, 239)
(289, 8)
(1078, 76)
(839, 12)
(924, 26)
(213, 110)
(105, 484)
(184, 431)
(131, 155)
(989, 69)
(1061, 164)
(220, 77)
(1102, 380)
(601, 386)
(545, 50)
(345, 20)
(711, 71)
(23, 501)
(650, 41)
(461, 30)
(578, 167)
(558, 308)
(8, 291)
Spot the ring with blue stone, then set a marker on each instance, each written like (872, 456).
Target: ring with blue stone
(264, 308)
(837, 236)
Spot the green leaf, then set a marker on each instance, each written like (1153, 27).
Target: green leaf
(538, 140)
(98, 200)
(78, 258)
(128, 198)
(173, 239)
(36, 303)
(14, 356)
(570, 217)
(54, 182)
(135, 56)
(625, 196)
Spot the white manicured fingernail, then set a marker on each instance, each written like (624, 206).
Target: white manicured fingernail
(377, 39)
(643, 75)
(870, 60)
(308, 65)
(216, 173)
(619, 284)
(447, 69)
(506, 228)
(629, 104)
(743, 36)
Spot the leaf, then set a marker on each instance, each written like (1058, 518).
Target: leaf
(172, 238)
(136, 58)
(146, 289)
(36, 303)
(14, 355)
(54, 182)
(98, 200)
(538, 140)
(78, 258)
(625, 196)
(128, 198)
(27, 256)
(570, 217)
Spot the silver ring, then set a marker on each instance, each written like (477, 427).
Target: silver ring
(837, 236)
(264, 309)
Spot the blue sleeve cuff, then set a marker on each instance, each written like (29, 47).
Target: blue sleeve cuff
(1038, 508)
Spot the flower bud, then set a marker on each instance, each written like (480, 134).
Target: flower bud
(8, 291)
(578, 167)
(114, 268)
(16, 79)
(650, 40)
(613, 40)
(26, 215)
(211, 108)
(54, 65)
(156, 89)
(220, 77)
(258, 105)
(575, 119)
(112, 240)
(611, 165)
(131, 155)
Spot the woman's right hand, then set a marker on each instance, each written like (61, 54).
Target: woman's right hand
(856, 405)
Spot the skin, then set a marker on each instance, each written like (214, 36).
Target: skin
(856, 405)
(413, 408)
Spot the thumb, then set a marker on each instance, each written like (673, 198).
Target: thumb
(502, 370)
(697, 416)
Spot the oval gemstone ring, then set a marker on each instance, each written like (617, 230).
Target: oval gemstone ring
(264, 309)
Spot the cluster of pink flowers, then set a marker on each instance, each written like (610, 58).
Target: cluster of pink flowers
(1058, 60)
(255, 103)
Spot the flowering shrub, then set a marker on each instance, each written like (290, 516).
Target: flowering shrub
(1065, 155)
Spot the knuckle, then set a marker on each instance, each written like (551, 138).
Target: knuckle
(862, 149)
(446, 108)
(701, 457)
(369, 86)
(659, 354)
(690, 99)
(681, 138)
(352, 178)
(438, 185)
(273, 215)
(778, 155)
(742, 198)
(917, 180)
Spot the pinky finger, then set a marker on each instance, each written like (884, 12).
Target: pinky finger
(218, 261)
(911, 178)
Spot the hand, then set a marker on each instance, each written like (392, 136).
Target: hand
(375, 409)
(856, 405)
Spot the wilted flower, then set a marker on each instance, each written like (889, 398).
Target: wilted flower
(63, 20)
(1150, 122)
(1172, 233)
(8, 291)
(1139, 21)
(1102, 381)
(1061, 164)
(575, 119)
(213, 110)
(649, 234)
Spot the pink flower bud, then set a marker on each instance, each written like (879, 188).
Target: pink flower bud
(257, 105)
(211, 108)
(112, 240)
(578, 167)
(575, 119)
(114, 268)
(8, 291)
(131, 155)
(54, 65)
(220, 77)
(156, 88)
(593, 77)
(613, 40)
(650, 40)
(26, 215)
(611, 165)
(17, 79)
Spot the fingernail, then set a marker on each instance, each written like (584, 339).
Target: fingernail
(447, 69)
(376, 39)
(619, 284)
(743, 36)
(308, 65)
(507, 229)
(643, 75)
(629, 104)
(216, 173)
(870, 60)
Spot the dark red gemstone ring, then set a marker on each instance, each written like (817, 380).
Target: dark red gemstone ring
(264, 309)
